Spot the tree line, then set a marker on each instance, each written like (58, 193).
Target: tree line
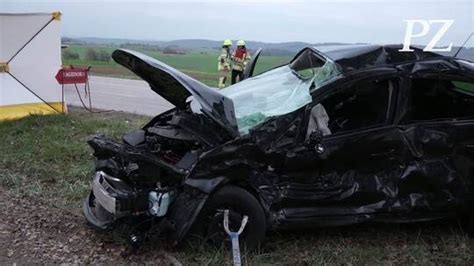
(90, 54)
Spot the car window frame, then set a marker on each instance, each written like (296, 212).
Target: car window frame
(446, 77)
(393, 101)
(338, 83)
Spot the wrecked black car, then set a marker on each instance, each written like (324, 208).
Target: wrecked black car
(338, 136)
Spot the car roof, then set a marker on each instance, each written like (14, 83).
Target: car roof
(359, 56)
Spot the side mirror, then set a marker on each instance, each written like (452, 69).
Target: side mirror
(314, 141)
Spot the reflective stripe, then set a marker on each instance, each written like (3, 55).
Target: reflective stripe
(226, 57)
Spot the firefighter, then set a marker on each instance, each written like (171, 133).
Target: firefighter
(240, 58)
(223, 64)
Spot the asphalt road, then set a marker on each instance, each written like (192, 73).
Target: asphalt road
(128, 95)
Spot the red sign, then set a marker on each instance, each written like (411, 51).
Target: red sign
(72, 75)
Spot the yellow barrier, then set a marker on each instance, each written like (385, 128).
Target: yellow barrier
(16, 111)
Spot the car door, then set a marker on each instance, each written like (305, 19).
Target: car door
(439, 129)
(354, 174)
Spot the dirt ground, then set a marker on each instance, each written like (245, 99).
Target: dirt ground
(32, 232)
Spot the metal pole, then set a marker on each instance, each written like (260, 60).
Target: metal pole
(89, 90)
(62, 98)
(32, 92)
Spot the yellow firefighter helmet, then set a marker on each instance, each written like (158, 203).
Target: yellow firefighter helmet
(227, 42)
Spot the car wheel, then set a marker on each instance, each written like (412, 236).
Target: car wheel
(239, 202)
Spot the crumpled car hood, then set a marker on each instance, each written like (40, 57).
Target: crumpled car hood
(176, 87)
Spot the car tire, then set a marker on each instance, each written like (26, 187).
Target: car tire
(209, 223)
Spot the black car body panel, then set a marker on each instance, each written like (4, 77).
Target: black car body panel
(353, 57)
(415, 163)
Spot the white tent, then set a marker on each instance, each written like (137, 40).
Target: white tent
(30, 57)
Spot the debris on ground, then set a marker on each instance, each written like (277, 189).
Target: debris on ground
(34, 232)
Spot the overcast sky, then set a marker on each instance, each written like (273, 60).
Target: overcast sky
(269, 21)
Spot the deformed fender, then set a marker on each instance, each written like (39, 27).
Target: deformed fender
(196, 190)
(206, 185)
(183, 212)
(188, 204)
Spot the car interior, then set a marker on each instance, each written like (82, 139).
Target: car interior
(363, 105)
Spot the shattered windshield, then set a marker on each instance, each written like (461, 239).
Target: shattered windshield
(278, 91)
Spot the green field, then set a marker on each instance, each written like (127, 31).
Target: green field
(200, 64)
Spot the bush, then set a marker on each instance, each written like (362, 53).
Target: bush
(173, 50)
(141, 46)
(104, 56)
(101, 55)
(68, 54)
(91, 54)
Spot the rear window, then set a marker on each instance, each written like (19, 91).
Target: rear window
(433, 99)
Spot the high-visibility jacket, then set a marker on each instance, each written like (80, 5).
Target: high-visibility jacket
(240, 58)
(223, 61)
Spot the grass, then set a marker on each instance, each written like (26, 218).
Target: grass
(354, 245)
(466, 86)
(47, 157)
(200, 64)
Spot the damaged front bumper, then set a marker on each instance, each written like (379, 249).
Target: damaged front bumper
(110, 200)
(95, 214)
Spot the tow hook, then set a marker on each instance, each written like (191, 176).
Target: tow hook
(234, 237)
